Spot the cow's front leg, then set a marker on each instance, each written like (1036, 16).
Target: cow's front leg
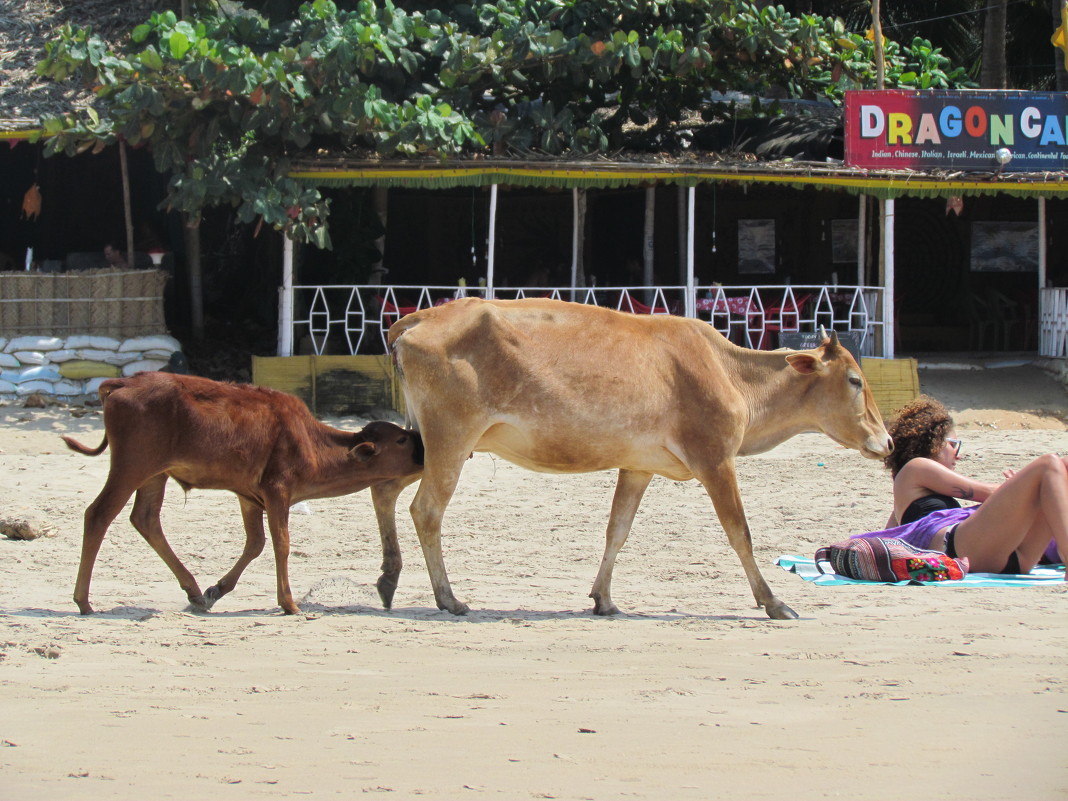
(721, 483)
(252, 517)
(440, 475)
(278, 522)
(384, 496)
(630, 487)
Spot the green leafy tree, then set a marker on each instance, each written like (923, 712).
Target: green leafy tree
(227, 100)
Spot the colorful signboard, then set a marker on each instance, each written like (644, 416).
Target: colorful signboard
(965, 130)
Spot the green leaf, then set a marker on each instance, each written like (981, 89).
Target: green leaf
(179, 45)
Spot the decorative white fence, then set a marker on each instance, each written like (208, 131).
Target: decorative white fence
(1053, 322)
(346, 319)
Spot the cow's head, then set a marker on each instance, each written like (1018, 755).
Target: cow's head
(847, 410)
(396, 451)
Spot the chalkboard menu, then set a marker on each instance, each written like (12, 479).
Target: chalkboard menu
(806, 340)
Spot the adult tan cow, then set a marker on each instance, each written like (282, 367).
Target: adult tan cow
(567, 388)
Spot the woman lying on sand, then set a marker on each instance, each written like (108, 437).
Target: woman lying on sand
(1018, 524)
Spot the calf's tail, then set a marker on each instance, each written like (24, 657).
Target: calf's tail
(74, 445)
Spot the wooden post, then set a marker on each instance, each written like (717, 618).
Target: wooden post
(285, 301)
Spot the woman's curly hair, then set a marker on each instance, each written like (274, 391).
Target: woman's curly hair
(918, 430)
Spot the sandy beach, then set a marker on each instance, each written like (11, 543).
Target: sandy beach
(693, 693)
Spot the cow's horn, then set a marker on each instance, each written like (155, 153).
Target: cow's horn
(823, 333)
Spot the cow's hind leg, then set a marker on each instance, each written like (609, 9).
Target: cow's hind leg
(252, 517)
(721, 483)
(145, 518)
(384, 496)
(630, 487)
(98, 516)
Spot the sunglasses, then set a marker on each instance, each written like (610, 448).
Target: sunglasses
(955, 444)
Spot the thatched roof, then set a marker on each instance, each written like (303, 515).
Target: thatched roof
(25, 27)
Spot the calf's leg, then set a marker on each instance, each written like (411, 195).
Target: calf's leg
(721, 483)
(278, 522)
(98, 516)
(384, 496)
(145, 518)
(252, 517)
(630, 487)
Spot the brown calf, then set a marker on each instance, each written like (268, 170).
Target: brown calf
(262, 445)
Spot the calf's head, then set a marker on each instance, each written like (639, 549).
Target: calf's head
(395, 451)
(841, 399)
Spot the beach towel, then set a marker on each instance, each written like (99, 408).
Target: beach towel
(1044, 575)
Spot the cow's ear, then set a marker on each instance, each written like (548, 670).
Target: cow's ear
(806, 363)
(364, 451)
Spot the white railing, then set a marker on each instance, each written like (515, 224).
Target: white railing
(344, 318)
(1053, 322)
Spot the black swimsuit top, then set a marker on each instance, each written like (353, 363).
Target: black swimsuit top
(921, 507)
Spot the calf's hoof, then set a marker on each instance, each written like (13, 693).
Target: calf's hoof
(84, 608)
(780, 611)
(200, 603)
(211, 595)
(387, 586)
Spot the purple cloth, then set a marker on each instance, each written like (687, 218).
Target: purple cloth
(920, 532)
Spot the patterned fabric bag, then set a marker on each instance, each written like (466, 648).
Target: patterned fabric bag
(885, 559)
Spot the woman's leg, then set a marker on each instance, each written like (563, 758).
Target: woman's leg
(1021, 516)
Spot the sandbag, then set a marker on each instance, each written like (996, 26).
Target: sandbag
(46, 373)
(30, 357)
(143, 366)
(42, 372)
(41, 343)
(8, 360)
(156, 342)
(157, 353)
(31, 387)
(89, 341)
(6, 386)
(63, 355)
(81, 369)
(67, 387)
(107, 356)
(93, 384)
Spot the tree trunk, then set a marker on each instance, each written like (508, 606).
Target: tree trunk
(196, 284)
(877, 31)
(126, 205)
(994, 72)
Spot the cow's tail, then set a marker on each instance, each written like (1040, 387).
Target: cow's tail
(74, 445)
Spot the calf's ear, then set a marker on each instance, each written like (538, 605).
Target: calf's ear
(806, 363)
(364, 451)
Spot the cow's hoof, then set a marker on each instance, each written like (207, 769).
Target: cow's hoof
(780, 611)
(455, 607)
(200, 603)
(387, 587)
(603, 607)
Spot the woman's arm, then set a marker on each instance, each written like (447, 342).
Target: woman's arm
(925, 476)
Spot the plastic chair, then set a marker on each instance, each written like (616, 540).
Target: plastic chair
(786, 317)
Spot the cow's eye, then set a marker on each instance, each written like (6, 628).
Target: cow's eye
(856, 381)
